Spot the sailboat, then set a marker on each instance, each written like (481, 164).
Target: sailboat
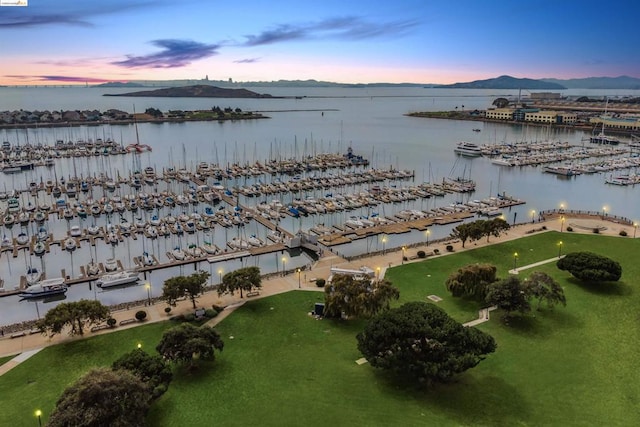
(601, 138)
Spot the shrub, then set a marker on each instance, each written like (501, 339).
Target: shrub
(320, 283)
(167, 310)
(544, 227)
(623, 233)
(569, 228)
(210, 313)
(217, 308)
(178, 318)
(421, 254)
(190, 317)
(436, 251)
(111, 322)
(596, 231)
(449, 248)
(404, 258)
(141, 315)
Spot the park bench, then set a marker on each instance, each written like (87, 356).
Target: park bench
(127, 321)
(100, 327)
(253, 293)
(18, 334)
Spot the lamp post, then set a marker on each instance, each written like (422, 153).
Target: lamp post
(515, 261)
(559, 249)
(561, 207)
(604, 211)
(377, 273)
(284, 260)
(148, 286)
(298, 271)
(533, 216)
(561, 223)
(39, 415)
(384, 242)
(139, 346)
(427, 233)
(635, 227)
(220, 276)
(403, 249)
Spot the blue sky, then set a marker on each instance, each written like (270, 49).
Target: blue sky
(421, 41)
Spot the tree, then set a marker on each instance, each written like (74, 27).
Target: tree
(103, 397)
(78, 315)
(181, 286)
(495, 227)
(243, 279)
(152, 370)
(500, 102)
(509, 295)
(357, 297)
(542, 286)
(420, 341)
(186, 342)
(590, 267)
(471, 231)
(472, 281)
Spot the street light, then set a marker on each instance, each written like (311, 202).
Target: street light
(561, 223)
(220, 275)
(561, 207)
(298, 271)
(384, 242)
(403, 249)
(139, 346)
(533, 216)
(377, 273)
(604, 211)
(515, 261)
(635, 227)
(559, 249)
(38, 414)
(148, 286)
(283, 262)
(427, 233)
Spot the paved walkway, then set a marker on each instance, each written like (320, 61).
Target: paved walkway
(29, 344)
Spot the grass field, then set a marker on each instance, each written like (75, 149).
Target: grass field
(573, 365)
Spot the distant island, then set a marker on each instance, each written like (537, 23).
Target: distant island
(196, 91)
(506, 82)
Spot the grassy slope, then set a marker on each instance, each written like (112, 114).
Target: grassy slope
(567, 366)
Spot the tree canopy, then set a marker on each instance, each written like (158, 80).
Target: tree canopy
(510, 295)
(186, 342)
(590, 267)
(150, 369)
(420, 341)
(180, 286)
(103, 397)
(471, 281)
(243, 279)
(357, 297)
(475, 230)
(78, 315)
(544, 288)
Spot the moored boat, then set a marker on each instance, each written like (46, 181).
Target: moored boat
(45, 288)
(468, 149)
(120, 278)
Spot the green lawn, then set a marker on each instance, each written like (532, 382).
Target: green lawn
(570, 366)
(5, 359)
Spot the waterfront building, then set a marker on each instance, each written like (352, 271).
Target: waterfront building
(499, 114)
(628, 123)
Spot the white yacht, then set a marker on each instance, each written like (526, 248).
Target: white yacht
(117, 279)
(468, 149)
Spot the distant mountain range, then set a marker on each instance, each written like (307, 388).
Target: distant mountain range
(196, 91)
(502, 82)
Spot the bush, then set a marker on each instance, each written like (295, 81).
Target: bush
(178, 318)
(217, 308)
(141, 315)
(596, 231)
(320, 283)
(404, 258)
(190, 317)
(436, 251)
(421, 254)
(449, 248)
(623, 233)
(111, 322)
(210, 313)
(544, 227)
(167, 310)
(569, 228)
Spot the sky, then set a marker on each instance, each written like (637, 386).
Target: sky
(346, 41)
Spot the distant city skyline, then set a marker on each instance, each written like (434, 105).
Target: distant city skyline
(406, 41)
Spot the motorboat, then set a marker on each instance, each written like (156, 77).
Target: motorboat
(119, 278)
(93, 269)
(75, 231)
(69, 244)
(178, 253)
(22, 239)
(45, 288)
(468, 149)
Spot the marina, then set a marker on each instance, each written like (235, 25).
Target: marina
(216, 205)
